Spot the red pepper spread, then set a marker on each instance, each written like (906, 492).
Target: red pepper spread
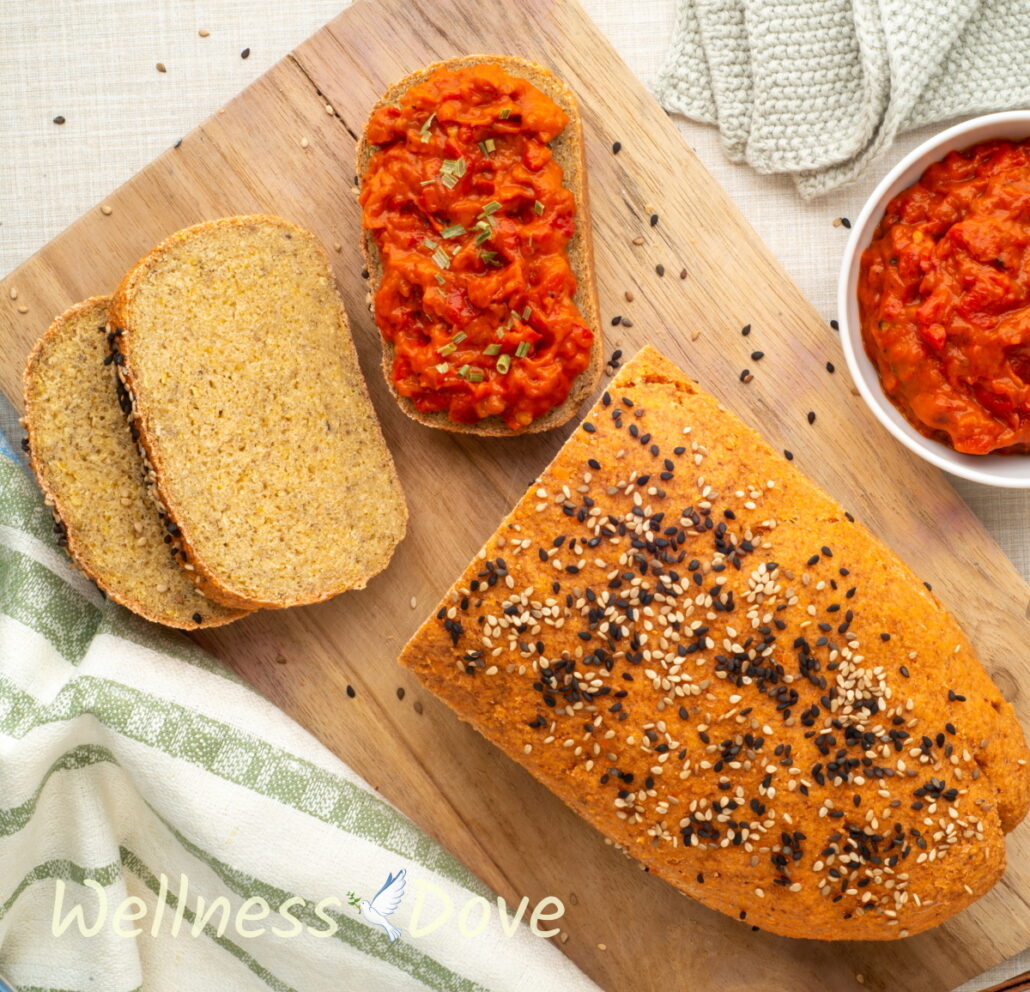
(467, 208)
(944, 296)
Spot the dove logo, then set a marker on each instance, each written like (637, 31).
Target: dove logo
(384, 904)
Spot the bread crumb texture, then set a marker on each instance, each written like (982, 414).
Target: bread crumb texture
(698, 650)
(254, 413)
(92, 474)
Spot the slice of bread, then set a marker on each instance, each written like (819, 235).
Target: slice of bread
(91, 473)
(265, 450)
(568, 151)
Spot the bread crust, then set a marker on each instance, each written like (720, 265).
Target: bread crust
(203, 576)
(53, 500)
(505, 677)
(569, 152)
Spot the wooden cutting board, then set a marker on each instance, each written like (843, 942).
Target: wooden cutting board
(276, 148)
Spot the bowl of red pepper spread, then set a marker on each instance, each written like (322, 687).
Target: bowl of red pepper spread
(944, 296)
(935, 300)
(467, 207)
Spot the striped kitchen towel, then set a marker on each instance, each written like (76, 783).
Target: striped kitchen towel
(818, 89)
(163, 827)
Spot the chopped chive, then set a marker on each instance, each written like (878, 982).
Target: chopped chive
(503, 364)
(441, 259)
(475, 375)
(453, 166)
(464, 371)
(442, 368)
(492, 349)
(459, 337)
(424, 130)
(484, 149)
(427, 182)
(483, 236)
(454, 231)
(440, 279)
(505, 113)
(491, 208)
(449, 180)
(448, 349)
(430, 244)
(499, 333)
(527, 313)
(489, 257)
(522, 350)
(538, 207)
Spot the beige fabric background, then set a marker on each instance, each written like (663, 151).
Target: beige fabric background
(94, 63)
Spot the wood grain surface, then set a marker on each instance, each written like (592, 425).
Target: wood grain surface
(253, 156)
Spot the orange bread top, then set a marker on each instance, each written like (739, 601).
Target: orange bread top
(703, 654)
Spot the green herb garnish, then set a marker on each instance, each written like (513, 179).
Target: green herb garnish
(505, 113)
(454, 231)
(459, 337)
(448, 349)
(522, 350)
(423, 131)
(441, 258)
(527, 313)
(475, 375)
(503, 364)
(442, 368)
(491, 208)
(538, 207)
(492, 349)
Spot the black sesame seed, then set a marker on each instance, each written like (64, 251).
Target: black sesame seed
(904, 671)
(400, 692)
(811, 416)
(616, 321)
(757, 356)
(885, 636)
(197, 618)
(746, 330)
(745, 375)
(835, 325)
(660, 269)
(589, 427)
(58, 119)
(616, 147)
(845, 222)
(245, 54)
(351, 692)
(654, 220)
(626, 322)
(789, 455)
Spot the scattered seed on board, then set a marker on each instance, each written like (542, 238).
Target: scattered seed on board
(835, 325)
(695, 335)
(329, 109)
(203, 32)
(106, 210)
(746, 376)
(626, 322)
(616, 320)
(830, 368)
(418, 707)
(654, 220)
(845, 222)
(337, 246)
(161, 67)
(304, 142)
(638, 240)
(413, 602)
(245, 54)
(14, 293)
(629, 296)
(811, 416)
(22, 308)
(746, 330)
(59, 119)
(788, 454)
(757, 356)
(683, 273)
(660, 269)
(616, 147)
(350, 691)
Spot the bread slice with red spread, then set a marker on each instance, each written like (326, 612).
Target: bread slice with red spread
(576, 356)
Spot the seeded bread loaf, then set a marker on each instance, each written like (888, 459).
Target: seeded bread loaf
(568, 151)
(266, 453)
(92, 475)
(703, 654)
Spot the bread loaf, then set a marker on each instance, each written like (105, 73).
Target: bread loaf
(91, 472)
(267, 456)
(708, 658)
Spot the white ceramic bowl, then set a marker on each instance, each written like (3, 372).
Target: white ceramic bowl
(1011, 471)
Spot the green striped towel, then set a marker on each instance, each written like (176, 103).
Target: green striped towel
(131, 760)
